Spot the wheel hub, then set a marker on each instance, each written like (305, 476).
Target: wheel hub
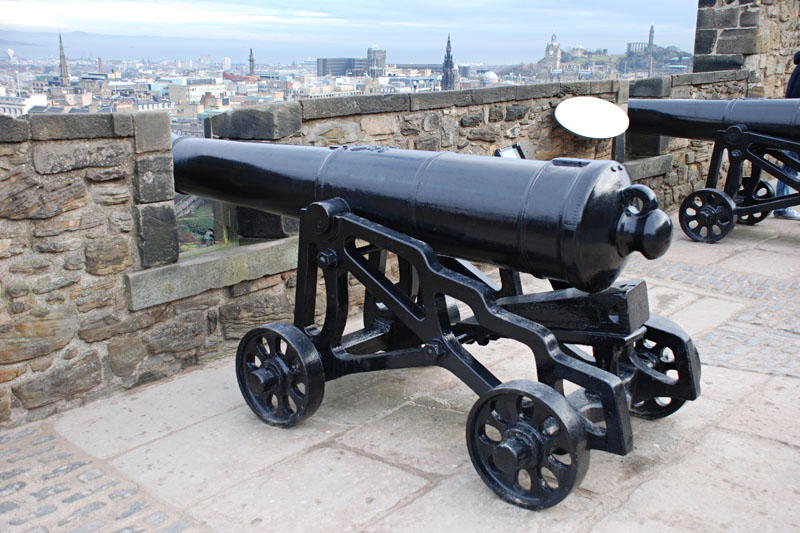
(264, 379)
(706, 215)
(517, 450)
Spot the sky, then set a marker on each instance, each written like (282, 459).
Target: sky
(484, 31)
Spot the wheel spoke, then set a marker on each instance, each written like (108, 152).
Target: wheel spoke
(562, 472)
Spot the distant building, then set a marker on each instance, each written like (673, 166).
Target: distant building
(252, 61)
(552, 54)
(641, 48)
(377, 62)
(448, 70)
(63, 77)
(342, 66)
(14, 106)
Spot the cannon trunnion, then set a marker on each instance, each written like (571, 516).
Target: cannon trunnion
(764, 132)
(402, 224)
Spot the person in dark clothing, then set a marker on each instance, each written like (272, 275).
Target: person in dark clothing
(792, 91)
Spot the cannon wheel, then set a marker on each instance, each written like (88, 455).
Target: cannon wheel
(527, 443)
(660, 358)
(762, 192)
(280, 374)
(707, 215)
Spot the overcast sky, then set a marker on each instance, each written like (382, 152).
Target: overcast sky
(410, 30)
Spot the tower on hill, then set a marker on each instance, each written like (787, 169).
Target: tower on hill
(448, 70)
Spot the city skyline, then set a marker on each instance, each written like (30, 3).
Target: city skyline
(489, 32)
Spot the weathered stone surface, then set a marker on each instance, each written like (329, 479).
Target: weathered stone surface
(247, 287)
(260, 225)
(380, 125)
(60, 383)
(30, 266)
(431, 122)
(34, 336)
(496, 113)
(106, 174)
(108, 255)
(265, 122)
(111, 194)
(438, 100)
(749, 18)
(125, 354)
(13, 130)
(706, 63)
(57, 225)
(704, 41)
(75, 126)
(121, 221)
(601, 86)
(516, 112)
(93, 297)
(491, 95)
(152, 132)
(650, 166)
(541, 90)
(382, 103)
(74, 261)
(738, 41)
(472, 119)
(56, 245)
(52, 283)
(14, 241)
(123, 124)
(158, 234)
(8, 373)
(330, 107)
(99, 328)
(486, 133)
(17, 289)
(260, 308)
(430, 144)
(201, 302)
(153, 179)
(5, 406)
(62, 156)
(334, 132)
(717, 18)
(651, 87)
(185, 333)
(23, 196)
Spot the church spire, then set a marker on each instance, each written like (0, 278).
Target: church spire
(448, 74)
(252, 63)
(63, 77)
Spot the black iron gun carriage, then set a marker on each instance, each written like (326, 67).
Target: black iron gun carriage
(765, 133)
(571, 221)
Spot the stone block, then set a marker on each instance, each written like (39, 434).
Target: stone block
(738, 41)
(106, 174)
(380, 125)
(60, 383)
(430, 143)
(643, 144)
(439, 100)
(749, 18)
(180, 335)
(158, 234)
(153, 180)
(516, 112)
(496, 113)
(651, 87)
(13, 130)
(707, 3)
(22, 196)
(266, 122)
(623, 90)
(152, 132)
(541, 90)
(36, 335)
(640, 169)
(111, 194)
(383, 103)
(329, 107)
(575, 88)
(54, 157)
(123, 124)
(94, 328)
(717, 18)
(484, 133)
(472, 119)
(107, 255)
(94, 296)
(491, 95)
(74, 126)
(601, 87)
(709, 63)
(270, 305)
(124, 355)
(256, 224)
(210, 271)
(704, 41)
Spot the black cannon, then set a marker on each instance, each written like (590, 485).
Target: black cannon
(571, 221)
(764, 132)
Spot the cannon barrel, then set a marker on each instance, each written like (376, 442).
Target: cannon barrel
(566, 219)
(701, 119)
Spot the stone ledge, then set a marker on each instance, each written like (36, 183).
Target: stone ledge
(649, 167)
(214, 270)
(696, 78)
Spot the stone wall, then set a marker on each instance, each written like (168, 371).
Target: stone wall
(759, 35)
(85, 211)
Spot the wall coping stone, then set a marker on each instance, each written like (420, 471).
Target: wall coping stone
(696, 78)
(656, 87)
(74, 126)
(14, 130)
(214, 270)
(649, 167)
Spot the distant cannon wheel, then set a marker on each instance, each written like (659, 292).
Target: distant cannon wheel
(527, 443)
(280, 374)
(762, 192)
(707, 215)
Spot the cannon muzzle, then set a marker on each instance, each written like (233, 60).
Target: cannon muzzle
(702, 119)
(567, 219)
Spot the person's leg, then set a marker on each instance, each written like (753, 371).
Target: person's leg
(783, 190)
